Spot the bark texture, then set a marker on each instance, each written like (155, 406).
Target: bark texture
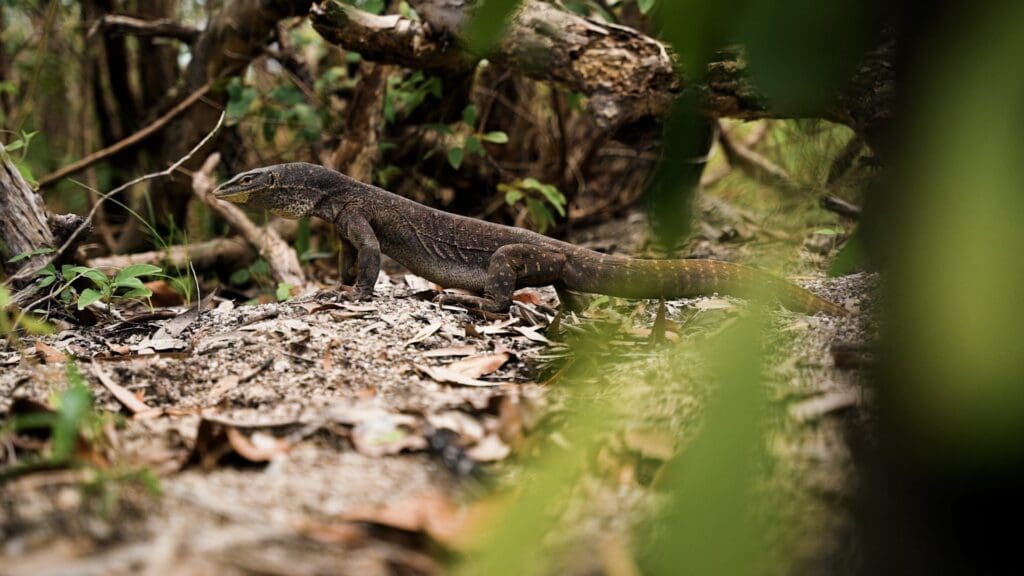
(24, 223)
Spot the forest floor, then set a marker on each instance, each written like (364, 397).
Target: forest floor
(309, 437)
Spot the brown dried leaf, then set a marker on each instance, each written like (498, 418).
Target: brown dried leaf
(164, 294)
(466, 350)
(527, 297)
(260, 447)
(122, 394)
(490, 449)
(478, 366)
(532, 334)
(424, 333)
(432, 513)
(48, 354)
(447, 376)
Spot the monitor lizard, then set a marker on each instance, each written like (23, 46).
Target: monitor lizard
(484, 257)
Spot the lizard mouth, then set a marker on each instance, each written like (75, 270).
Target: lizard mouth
(224, 192)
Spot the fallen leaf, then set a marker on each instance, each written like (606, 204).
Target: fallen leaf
(532, 334)
(122, 394)
(224, 385)
(466, 350)
(218, 440)
(432, 513)
(497, 327)
(478, 366)
(490, 449)
(164, 294)
(527, 297)
(446, 376)
(387, 434)
(260, 447)
(424, 333)
(467, 427)
(48, 354)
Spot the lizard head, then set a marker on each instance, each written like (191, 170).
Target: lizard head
(263, 188)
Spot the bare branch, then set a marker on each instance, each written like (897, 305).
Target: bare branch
(135, 138)
(117, 24)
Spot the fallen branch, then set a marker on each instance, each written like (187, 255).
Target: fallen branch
(754, 164)
(135, 138)
(118, 24)
(284, 263)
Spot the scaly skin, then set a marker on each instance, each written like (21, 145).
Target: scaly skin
(484, 257)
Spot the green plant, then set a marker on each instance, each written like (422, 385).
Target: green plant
(405, 93)
(72, 421)
(465, 138)
(537, 197)
(10, 323)
(124, 285)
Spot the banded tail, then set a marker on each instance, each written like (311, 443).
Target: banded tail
(640, 278)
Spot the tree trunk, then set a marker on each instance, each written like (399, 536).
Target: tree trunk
(24, 225)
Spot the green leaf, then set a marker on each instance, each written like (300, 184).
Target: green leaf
(441, 128)
(136, 270)
(287, 95)
(239, 277)
(455, 157)
(34, 325)
(284, 291)
(512, 196)
(98, 278)
(130, 283)
(88, 297)
(473, 146)
(469, 115)
(138, 293)
(497, 137)
(645, 5)
(46, 280)
(31, 253)
(260, 267)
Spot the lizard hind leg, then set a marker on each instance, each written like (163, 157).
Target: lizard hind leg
(512, 266)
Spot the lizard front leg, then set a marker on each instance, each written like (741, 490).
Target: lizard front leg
(512, 266)
(357, 232)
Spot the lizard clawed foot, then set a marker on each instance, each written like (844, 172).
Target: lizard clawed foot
(344, 296)
(469, 301)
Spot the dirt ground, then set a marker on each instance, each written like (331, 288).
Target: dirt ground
(310, 437)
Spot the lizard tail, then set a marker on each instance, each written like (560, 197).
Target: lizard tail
(641, 278)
